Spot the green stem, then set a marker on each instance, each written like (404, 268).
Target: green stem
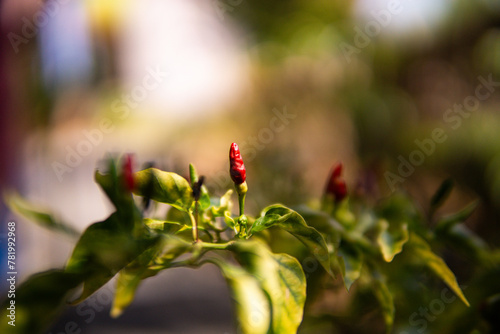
(194, 222)
(210, 245)
(241, 201)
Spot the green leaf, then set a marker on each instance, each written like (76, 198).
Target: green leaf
(181, 217)
(112, 185)
(292, 222)
(449, 221)
(126, 211)
(132, 275)
(252, 307)
(45, 219)
(172, 248)
(104, 249)
(423, 255)
(322, 222)
(164, 187)
(465, 241)
(193, 174)
(343, 214)
(391, 238)
(224, 209)
(282, 279)
(228, 220)
(204, 199)
(399, 208)
(351, 262)
(441, 194)
(224, 206)
(38, 301)
(384, 297)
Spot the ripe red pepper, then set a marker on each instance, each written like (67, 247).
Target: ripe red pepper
(239, 175)
(336, 185)
(236, 165)
(128, 174)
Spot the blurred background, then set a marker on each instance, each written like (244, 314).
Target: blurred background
(404, 93)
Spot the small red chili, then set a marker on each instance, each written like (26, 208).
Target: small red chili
(128, 174)
(336, 185)
(236, 165)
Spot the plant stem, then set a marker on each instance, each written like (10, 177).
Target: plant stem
(241, 202)
(210, 245)
(194, 221)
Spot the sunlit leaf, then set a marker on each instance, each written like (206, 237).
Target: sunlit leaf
(283, 280)
(224, 206)
(423, 254)
(164, 187)
(181, 217)
(228, 220)
(292, 222)
(391, 238)
(252, 306)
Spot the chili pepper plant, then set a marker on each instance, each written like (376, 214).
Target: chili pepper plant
(372, 246)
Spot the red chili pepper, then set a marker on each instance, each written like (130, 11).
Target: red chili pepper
(336, 185)
(128, 174)
(236, 166)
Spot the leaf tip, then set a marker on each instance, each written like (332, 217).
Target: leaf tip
(115, 312)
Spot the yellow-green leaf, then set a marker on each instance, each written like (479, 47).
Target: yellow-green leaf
(132, 275)
(391, 238)
(424, 255)
(252, 306)
(164, 187)
(103, 250)
(282, 279)
(292, 222)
